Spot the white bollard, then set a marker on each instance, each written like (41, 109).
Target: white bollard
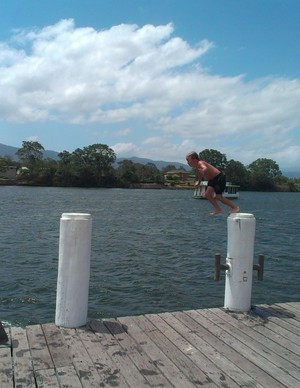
(240, 250)
(73, 270)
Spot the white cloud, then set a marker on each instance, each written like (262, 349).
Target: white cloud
(125, 149)
(33, 138)
(144, 75)
(123, 132)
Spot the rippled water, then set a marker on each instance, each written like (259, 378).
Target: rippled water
(152, 250)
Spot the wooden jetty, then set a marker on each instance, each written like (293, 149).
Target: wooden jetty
(209, 347)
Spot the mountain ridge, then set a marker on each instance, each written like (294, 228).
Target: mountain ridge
(6, 150)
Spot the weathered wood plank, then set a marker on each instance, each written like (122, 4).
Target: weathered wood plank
(280, 330)
(6, 372)
(291, 308)
(147, 341)
(283, 319)
(67, 377)
(268, 330)
(23, 369)
(59, 351)
(261, 364)
(216, 351)
(85, 368)
(136, 353)
(268, 346)
(202, 363)
(46, 378)
(294, 305)
(120, 357)
(40, 354)
(177, 350)
(106, 367)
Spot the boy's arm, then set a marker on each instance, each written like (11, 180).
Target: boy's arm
(199, 174)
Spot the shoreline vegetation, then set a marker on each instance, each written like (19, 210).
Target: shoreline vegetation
(95, 166)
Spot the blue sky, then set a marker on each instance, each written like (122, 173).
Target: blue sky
(153, 78)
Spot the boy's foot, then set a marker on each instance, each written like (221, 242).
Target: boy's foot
(234, 210)
(216, 212)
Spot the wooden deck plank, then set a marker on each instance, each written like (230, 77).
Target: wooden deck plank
(120, 357)
(243, 355)
(157, 357)
(295, 305)
(46, 378)
(84, 365)
(279, 329)
(269, 345)
(57, 348)
(258, 345)
(157, 327)
(282, 319)
(187, 358)
(218, 354)
(291, 308)
(67, 377)
(136, 353)
(275, 335)
(211, 348)
(217, 338)
(23, 369)
(6, 362)
(261, 364)
(40, 354)
(6, 373)
(199, 359)
(106, 367)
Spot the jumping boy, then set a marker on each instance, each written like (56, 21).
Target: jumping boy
(216, 183)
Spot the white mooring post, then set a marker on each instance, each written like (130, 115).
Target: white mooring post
(240, 250)
(73, 270)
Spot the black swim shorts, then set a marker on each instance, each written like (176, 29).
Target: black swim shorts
(218, 183)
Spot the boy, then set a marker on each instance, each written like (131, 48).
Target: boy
(216, 183)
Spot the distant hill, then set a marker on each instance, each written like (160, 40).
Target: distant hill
(6, 150)
(160, 164)
(291, 174)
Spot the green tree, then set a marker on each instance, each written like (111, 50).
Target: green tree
(127, 172)
(236, 173)
(45, 173)
(149, 173)
(31, 153)
(5, 162)
(99, 159)
(91, 166)
(264, 174)
(65, 174)
(215, 158)
(265, 167)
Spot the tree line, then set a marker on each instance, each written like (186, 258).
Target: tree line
(95, 166)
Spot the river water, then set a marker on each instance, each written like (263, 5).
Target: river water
(152, 250)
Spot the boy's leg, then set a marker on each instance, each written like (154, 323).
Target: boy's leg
(226, 201)
(209, 194)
